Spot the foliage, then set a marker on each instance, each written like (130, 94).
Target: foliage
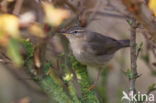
(54, 86)
(63, 79)
(13, 52)
(152, 6)
(88, 95)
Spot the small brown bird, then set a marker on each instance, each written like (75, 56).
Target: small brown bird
(93, 49)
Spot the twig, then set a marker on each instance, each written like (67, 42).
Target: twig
(115, 16)
(152, 46)
(138, 10)
(93, 14)
(133, 57)
(151, 90)
(18, 6)
(72, 7)
(138, 52)
(5, 61)
(76, 84)
(147, 54)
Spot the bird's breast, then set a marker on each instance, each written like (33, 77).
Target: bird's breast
(76, 48)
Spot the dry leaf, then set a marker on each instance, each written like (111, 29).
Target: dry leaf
(54, 16)
(36, 30)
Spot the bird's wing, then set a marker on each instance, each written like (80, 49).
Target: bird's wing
(101, 45)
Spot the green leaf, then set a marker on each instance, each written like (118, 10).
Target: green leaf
(129, 73)
(47, 67)
(13, 52)
(139, 48)
(151, 86)
(89, 96)
(130, 22)
(29, 47)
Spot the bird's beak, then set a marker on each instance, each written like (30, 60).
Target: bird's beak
(66, 34)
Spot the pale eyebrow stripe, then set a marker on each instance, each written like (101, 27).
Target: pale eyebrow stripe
(80, 31)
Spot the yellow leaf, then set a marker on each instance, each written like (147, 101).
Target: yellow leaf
(54, 15)
(152, 6)
(36, 30)
(9, 25)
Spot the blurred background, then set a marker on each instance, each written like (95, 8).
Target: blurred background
(113, 80)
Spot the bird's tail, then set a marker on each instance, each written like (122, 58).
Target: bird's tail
(125, 43)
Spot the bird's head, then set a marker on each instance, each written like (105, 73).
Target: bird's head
(75, 33)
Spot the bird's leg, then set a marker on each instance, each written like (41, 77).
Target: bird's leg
(97, 78)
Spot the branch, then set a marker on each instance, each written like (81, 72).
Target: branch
(133, 57)
(113, 15)
(138, 10)
(72, 7)
(151, 90)
(51, 83)
(77, 69)
(18, 6)
(151, 44)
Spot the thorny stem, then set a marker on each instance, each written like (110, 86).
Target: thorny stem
(133, 52)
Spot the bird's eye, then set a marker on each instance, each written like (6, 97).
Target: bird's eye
(75, 31)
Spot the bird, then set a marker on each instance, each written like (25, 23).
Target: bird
(93, 49)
